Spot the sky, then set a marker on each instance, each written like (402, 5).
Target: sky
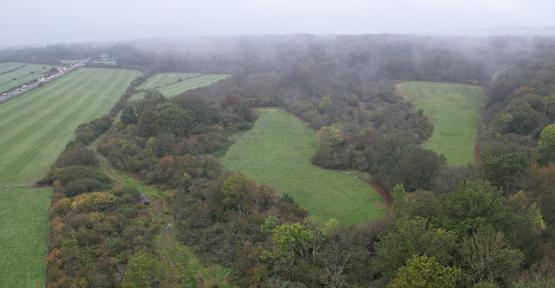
(25, 22)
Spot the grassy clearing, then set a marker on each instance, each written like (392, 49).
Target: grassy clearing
(173, 84)
(137, 96)
(190, 84)
(22, 73)
(277, 151)
(164, 79)
(454, 109)
(23, 234)
(36, 126)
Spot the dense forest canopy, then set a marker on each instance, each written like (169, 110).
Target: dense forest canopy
(490, 224)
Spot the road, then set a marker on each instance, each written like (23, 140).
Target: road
(30, 86)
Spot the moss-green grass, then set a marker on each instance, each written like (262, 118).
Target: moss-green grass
(23, 234)
(173, 84)
(35, 127)
(8, 66)
(163, 79)
(454, 110)
(137, 96)
(22, 73)
(277, 151)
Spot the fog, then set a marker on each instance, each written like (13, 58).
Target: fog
(27, 22)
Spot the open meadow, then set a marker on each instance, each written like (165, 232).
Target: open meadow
(454, 110)
(277, 151)
(173, 84)
(164, 79)
(35, 128)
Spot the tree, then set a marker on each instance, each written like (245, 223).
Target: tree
(130, 113)
(292, 239)
(546, 145)
(473, 205)
(325, 104)
(417, 168)
(143, 271)
(504, 167)
(408, 237)
(166, 117)
(330, 136)
(399, 200)
(486, 257)
(524, 120)
(524, 222)
(235, 192)
(425, 272)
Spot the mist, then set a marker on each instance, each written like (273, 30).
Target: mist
(36, 22)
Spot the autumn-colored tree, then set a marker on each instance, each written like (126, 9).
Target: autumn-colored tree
(291, 239)
(425, 272)
(143, 271)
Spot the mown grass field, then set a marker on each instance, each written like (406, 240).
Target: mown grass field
(16, 74)
(7, 66)
(454, 110)
(35, 128)
(163, 79)
(277, 151)
(173, 84)
(23, 234)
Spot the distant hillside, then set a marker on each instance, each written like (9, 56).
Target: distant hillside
(504, 31)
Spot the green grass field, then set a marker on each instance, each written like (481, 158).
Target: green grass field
(163, 79)
(173, 84)
(35, 128)
(23, 234)
(277, 151)
(8, 66)
(454, 110)
(22, 73)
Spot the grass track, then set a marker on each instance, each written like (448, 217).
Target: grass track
(454, 109)
(35, 128)
(277, 151)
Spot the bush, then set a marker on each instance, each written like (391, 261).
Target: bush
(74, 180)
